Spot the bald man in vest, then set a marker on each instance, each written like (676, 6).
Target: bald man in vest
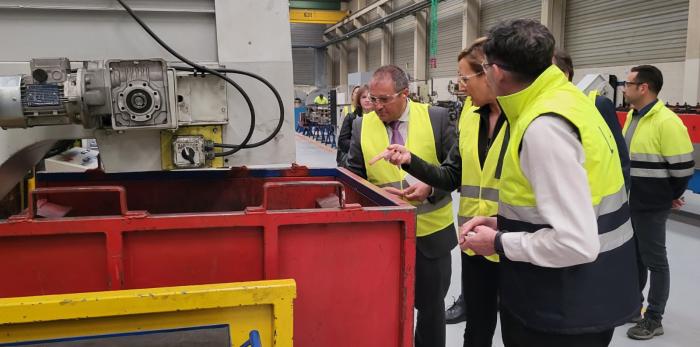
(425, 130)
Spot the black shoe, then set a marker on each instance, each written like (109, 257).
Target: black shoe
(646, 329)
(457, 312)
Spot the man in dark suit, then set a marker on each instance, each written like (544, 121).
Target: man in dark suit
(422, 129)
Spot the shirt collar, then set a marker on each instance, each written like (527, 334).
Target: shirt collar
(515, 104)
(644, 110)
(406, 111)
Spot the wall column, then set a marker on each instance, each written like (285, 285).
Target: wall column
(691, 79)
(342, 51)
(361, 41)
(470, 21)
(386, 54)
(321, 62)
(420, 47)
(552, 16)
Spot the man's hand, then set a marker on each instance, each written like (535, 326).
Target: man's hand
(473, 223)
(392, 190)
(480, 240)
(678, 203)
(395, 154)
(418, 192)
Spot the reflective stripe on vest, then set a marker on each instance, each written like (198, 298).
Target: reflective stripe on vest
(432, 217)
(553, 299)
(612, 212)
(479, 190)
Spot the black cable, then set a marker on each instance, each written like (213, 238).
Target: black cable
(274, 91)
(200, 68)
(59, 147)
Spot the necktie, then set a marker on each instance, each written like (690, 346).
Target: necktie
(396, 138)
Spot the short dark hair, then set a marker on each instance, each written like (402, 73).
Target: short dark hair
(650, 75)
(398, 76)
(522, 46)
(563, 61)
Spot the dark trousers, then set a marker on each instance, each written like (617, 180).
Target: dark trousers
(515, 334)
(650, 235)
(432, 282)
(480, 281)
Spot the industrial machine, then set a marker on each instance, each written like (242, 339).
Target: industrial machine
(148, 112)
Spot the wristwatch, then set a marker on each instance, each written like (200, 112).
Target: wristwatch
(498, 244)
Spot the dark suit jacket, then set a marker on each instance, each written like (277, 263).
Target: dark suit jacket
(345, 135)
(607, 110)
(441, 242)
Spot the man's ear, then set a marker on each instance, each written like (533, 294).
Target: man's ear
(644, 87)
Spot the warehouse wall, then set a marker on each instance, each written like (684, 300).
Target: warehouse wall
(610, 37)
(672, 90)
(303, 58)
(450, 30)
(31, 28)
(449, 39)
(607, 37)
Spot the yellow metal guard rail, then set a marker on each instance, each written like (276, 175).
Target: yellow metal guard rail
(238, 308)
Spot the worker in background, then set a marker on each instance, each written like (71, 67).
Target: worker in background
(606, 108)
(473, 166)
(662, 165)
(426, 131)
(320, 100)
(361, 105)
(567, 258)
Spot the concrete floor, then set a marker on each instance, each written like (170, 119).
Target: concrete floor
(681, 325)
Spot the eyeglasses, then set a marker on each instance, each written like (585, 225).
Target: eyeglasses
(384, 99)
(464, 79)
(627, 83)
(485, 64)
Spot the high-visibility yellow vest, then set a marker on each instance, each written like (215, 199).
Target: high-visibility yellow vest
(479, 190)
(659, 138)
(606, 290)
(320, 101)
(432, 217)
(592, 95)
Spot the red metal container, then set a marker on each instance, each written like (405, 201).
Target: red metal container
(353, 264)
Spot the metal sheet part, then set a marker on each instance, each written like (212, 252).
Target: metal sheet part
(215, 336)
(10, 100)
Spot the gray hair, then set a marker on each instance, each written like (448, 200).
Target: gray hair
(398, 76)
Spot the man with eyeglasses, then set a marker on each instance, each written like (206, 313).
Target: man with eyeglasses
(568, 268)
(427, 131)
(662, 165)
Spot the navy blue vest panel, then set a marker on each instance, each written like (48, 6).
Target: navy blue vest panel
(571, 300)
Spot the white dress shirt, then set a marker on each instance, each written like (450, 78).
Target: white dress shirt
(552, 159)
(403, 123)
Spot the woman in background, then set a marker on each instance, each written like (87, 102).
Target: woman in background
(361, 105)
